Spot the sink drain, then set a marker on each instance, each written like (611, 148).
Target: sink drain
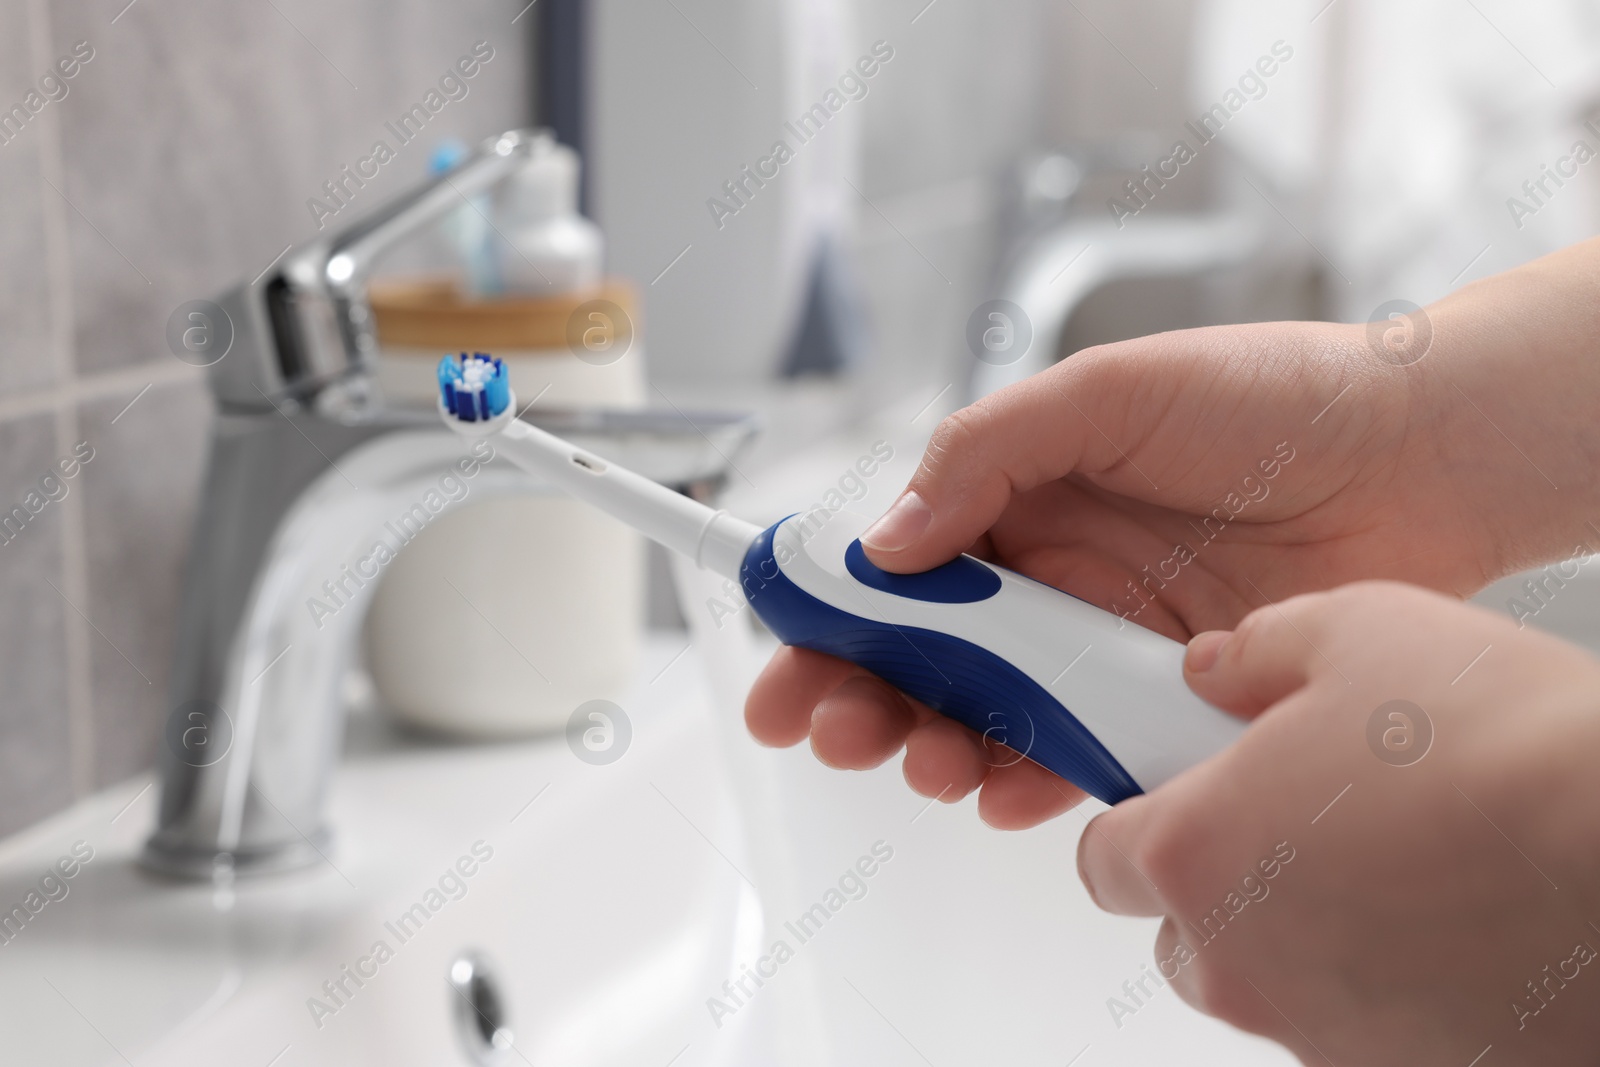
(479, 1012)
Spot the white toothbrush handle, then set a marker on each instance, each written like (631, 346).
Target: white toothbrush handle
(1097, 700)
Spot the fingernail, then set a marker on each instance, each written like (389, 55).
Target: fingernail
(1083, 865)
(902, 524)
(1204, 650)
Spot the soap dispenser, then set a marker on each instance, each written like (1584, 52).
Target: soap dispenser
(549, 247)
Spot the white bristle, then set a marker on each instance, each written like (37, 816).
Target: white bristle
(475, 376)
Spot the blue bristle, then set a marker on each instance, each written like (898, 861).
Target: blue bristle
(448, 376)
(498, 390)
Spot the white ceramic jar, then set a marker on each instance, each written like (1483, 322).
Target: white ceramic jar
(506, 613)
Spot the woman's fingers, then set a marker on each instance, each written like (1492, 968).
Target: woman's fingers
(1266, 659)
(1268, 656)
(1109, 855)
(861, 723)
(944, 759)
(778, 709)
(856, 721)
(1018, 793)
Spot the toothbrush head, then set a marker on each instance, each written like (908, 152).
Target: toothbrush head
(475, 395)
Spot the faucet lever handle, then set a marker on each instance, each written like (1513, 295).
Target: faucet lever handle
(307, 324)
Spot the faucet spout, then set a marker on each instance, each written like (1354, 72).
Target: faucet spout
(284, 561)
(270, 614)
(1060, 267)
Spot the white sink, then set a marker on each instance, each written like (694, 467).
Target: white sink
(608, 915)
(1563, 598)
(613, 908)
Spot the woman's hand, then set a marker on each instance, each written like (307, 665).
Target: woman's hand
(1370, 882)
(1179, 480)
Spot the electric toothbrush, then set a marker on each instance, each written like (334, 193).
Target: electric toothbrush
(1074, 688)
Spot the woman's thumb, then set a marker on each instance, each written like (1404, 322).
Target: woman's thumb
(1009, 442)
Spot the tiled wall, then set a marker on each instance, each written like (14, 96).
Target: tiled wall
(179, 161)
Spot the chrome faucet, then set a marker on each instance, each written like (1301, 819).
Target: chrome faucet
(307, 461)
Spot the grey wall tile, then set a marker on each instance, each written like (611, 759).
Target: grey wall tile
(34, 755)
(139, 498)
(960, 96)
(919, 314)
(27, 358)
(1116, 67)
(196, 135)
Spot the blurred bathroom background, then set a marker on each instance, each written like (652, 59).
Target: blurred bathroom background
(1373, 164)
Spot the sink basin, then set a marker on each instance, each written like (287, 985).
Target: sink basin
(1563, 599)
(610, 899)
(614, 905)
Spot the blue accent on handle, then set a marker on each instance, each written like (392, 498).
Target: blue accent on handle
(959, 679)
(486, 396)
(963, 580)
